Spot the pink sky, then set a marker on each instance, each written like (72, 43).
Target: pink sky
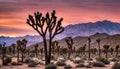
(13, 13)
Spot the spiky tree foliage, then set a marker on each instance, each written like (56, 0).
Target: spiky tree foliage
(117, 50)
(36, 49)
(106, 49)
(13, 48)
(46, 25)
(69, 42)
(98, 41)
(111, 50)
(89, 53)
(3, 52)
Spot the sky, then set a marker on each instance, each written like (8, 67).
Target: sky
(13, 13)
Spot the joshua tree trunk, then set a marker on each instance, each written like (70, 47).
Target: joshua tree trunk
(18, 56)
(46, 54)
(22, 57)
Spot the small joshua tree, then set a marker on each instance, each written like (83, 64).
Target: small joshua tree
(36, 49)
(13, 48)
(69, 42)
(3, 52)
(46, 25)
(18, 49)
(23, 48)
(89, 41)
(84, 47)
(117, 50)
(106, 49)
(111, 50)
(98, 41)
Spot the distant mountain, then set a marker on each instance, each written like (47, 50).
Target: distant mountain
(87, 29)
(77, 30)
(105, 39)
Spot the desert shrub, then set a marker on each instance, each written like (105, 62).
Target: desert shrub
(104, 60)
(116, 65)
(88, 66)
(14, 63)
(80, 65)
(67, 67)
(32, 64)
(77, 61)
(27, 60)
(90, 59)
(51, 66)
(115, 59)
(19, 63)
(83, 58)
(7, 60)
(60, 63)
(62, 59)
(98, 64)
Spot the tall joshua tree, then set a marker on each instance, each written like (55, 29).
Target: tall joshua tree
(117, 50)
(89, 41)
(69, 42)
(98, 41)
(46, 25)
(106, 49)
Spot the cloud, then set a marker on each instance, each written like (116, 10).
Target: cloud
(14, 12)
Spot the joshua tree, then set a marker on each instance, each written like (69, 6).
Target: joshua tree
(69, 42)
(13, 48)
(3, 52)
(18, 49)
(84, 47)
(46, 25)
(111, 50)
(89, 41)
(23, 48)
(36, 49)
(106, 49)
(54, 45)
(117, 50)
(9, 50)
(98, 41)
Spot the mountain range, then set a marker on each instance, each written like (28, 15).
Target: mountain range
(80, 31)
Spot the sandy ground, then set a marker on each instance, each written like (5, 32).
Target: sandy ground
(24, 66)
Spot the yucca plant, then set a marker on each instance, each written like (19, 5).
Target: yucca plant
(69, 42)
(89, 52)
(106, 49)
(117, 50)
(98, 41)
(3, 52)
